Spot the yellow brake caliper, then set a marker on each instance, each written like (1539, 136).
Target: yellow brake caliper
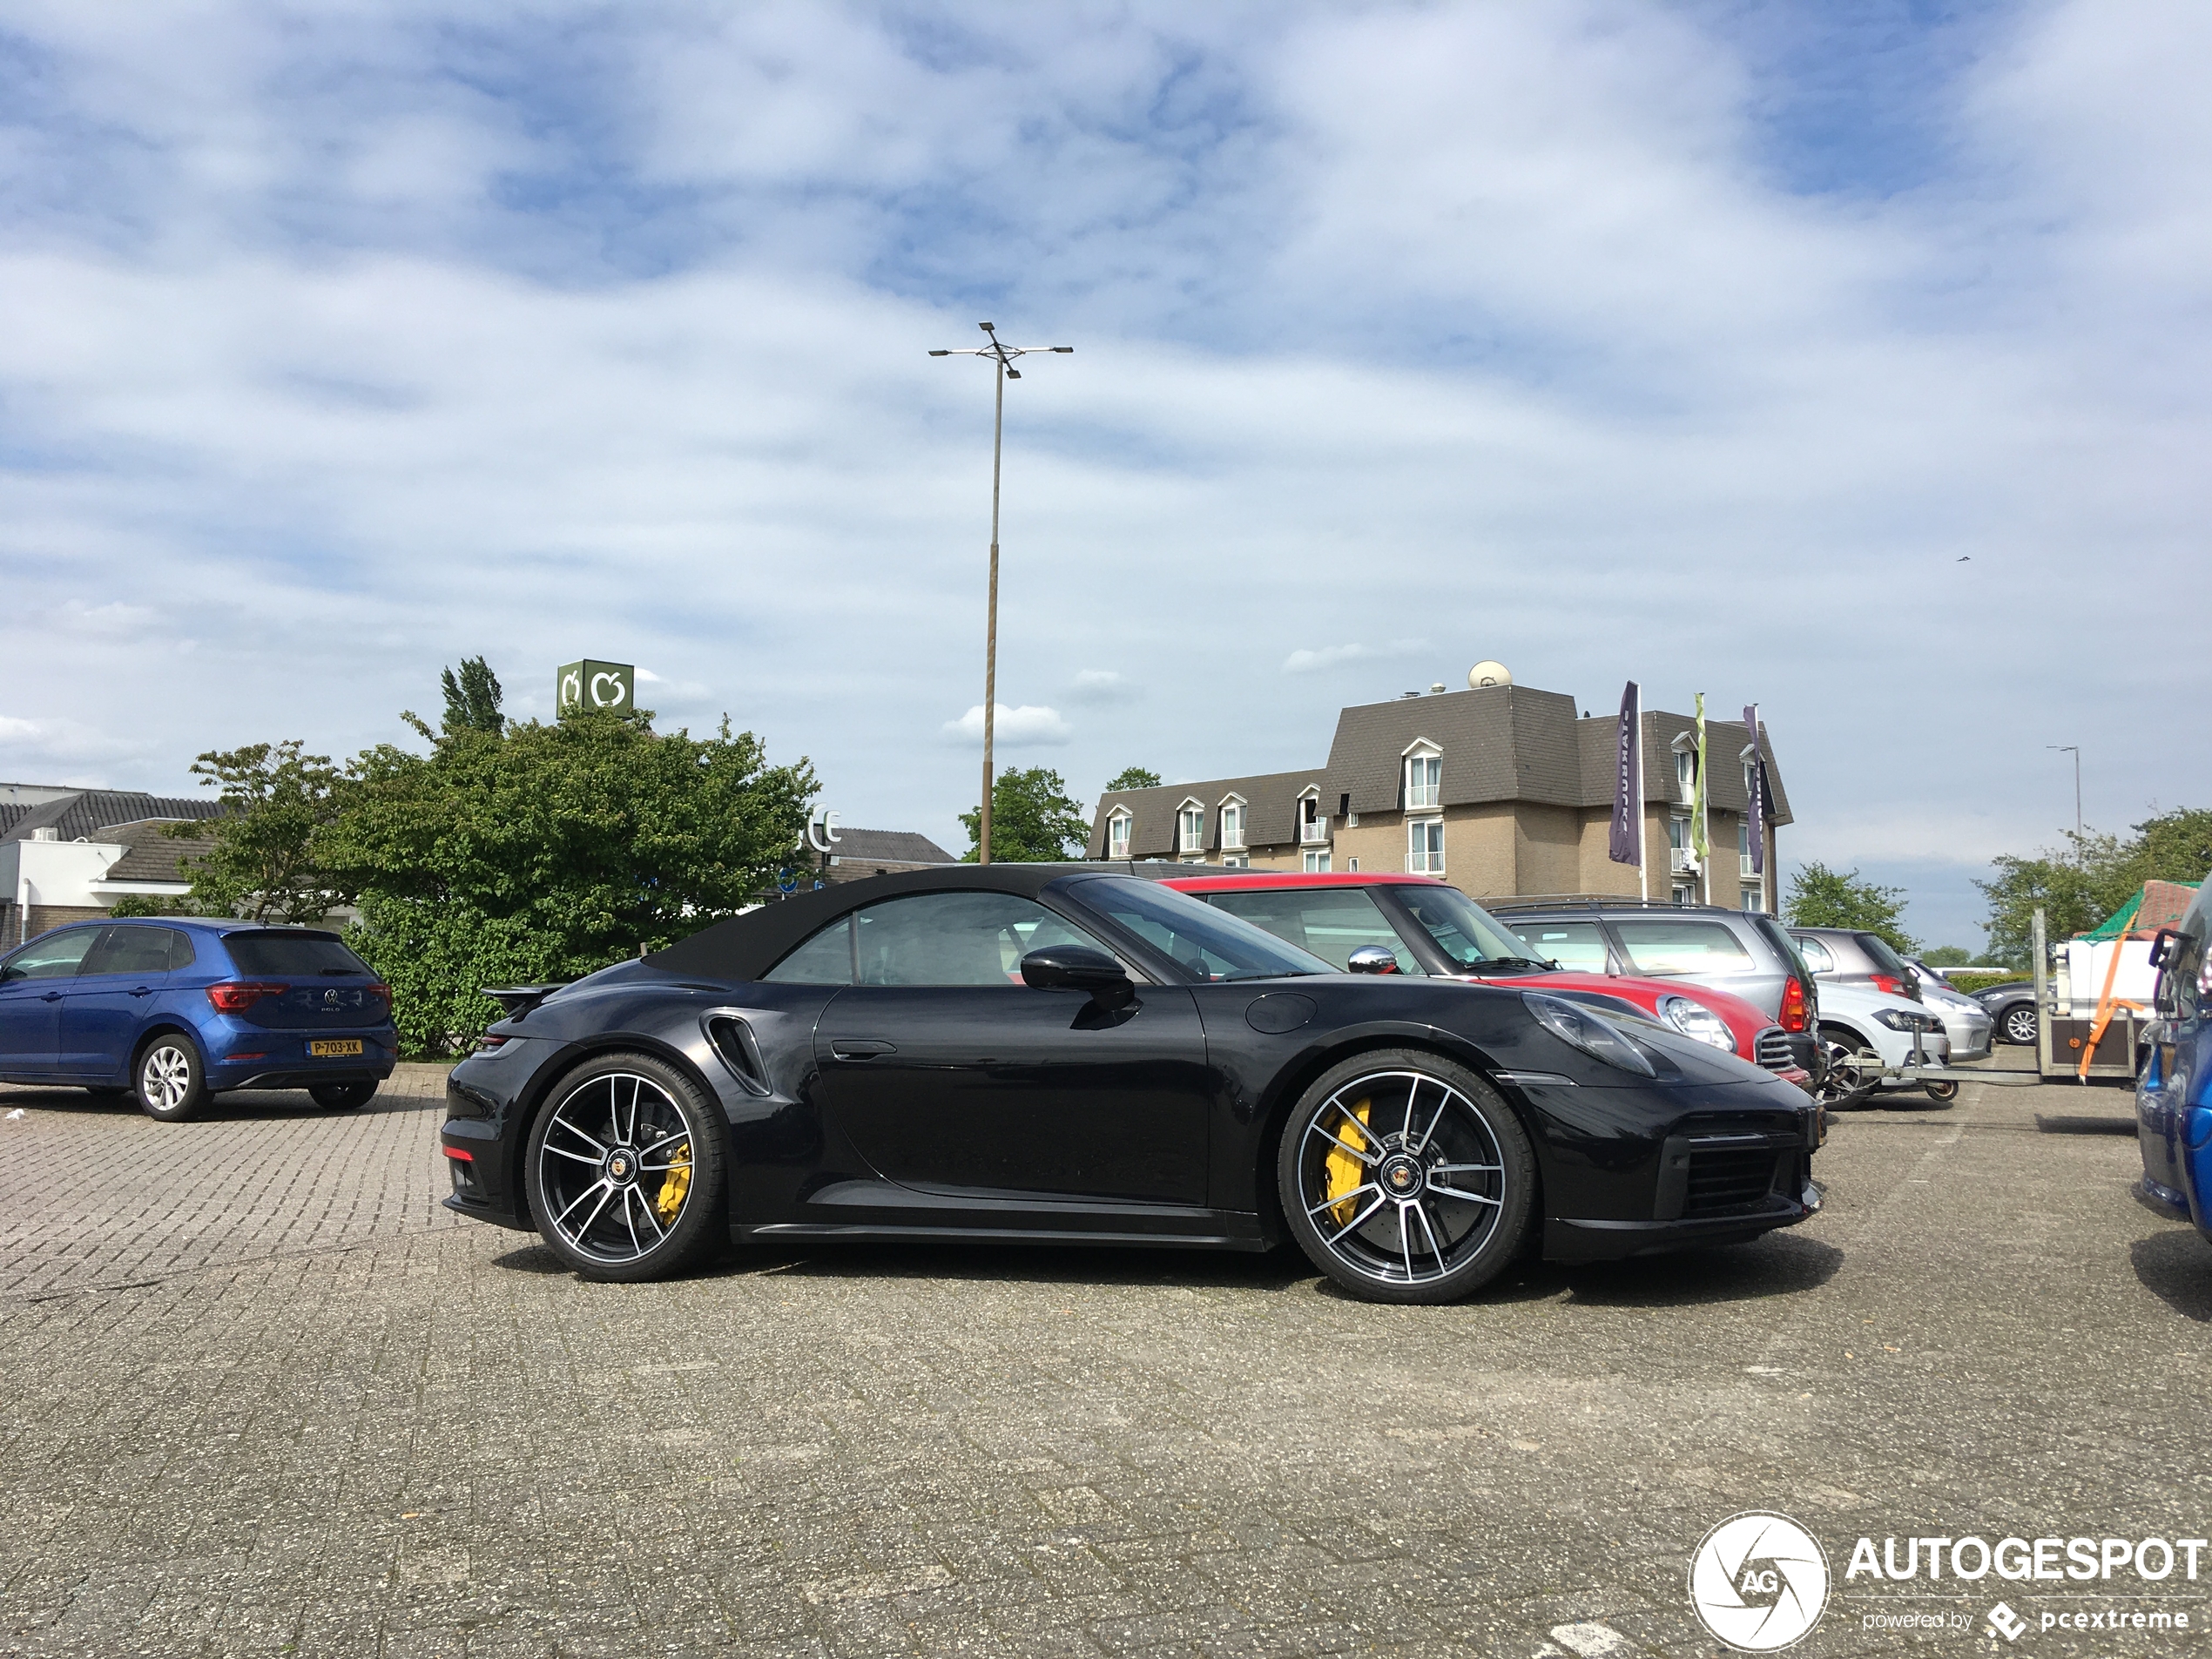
(675, 1184)
(1342, 1170)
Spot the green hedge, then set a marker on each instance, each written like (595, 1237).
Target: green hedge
(1981, 981)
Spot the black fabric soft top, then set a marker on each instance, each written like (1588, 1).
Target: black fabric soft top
(745, 948)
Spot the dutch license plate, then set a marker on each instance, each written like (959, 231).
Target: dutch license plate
(330, 1047)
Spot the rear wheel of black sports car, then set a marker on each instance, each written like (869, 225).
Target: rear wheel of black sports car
(626, 1171)
(1406, 1177)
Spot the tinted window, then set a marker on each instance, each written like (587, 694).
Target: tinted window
(826, 959)
(129, 949)
(1331, 922)
(1462, 929)
(1210, 944)
(1697, 949)
(1886, 960)
(287, 953)
(955, 939)
(56, 956)
(1578, 945)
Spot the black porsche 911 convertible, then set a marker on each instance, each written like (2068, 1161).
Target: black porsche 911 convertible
(1075, 1054)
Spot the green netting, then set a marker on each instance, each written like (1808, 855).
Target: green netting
(2167, 903)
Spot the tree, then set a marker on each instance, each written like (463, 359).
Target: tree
(539, 853)
(1033, 820)
(266, 862)
(1127, 778)
(2094, 875)
(1946, 956)
(1820, 897)
(472, 701)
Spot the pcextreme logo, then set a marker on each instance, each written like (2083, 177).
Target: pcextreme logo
(1759, 1582)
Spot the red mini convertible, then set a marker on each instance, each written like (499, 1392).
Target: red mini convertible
(1417, 924)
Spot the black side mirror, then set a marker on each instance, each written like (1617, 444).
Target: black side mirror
(1373, 959)
(1079, 968)
(2161, 947)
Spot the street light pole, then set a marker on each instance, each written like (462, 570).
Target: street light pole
(2073, 749)
(1002, 356)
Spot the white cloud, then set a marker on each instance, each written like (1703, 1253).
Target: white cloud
(1310, 662)
(1017, 728)
(1101, 685)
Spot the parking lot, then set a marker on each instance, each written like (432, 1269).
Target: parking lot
(265, 1397)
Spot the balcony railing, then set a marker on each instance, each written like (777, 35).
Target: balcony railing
(1681, 861)
(1313, 831)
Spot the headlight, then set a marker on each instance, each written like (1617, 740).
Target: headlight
(1589, 1031)
(1898, 1020)
(1696, 1020)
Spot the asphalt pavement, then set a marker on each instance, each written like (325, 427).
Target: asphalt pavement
(264, 1396)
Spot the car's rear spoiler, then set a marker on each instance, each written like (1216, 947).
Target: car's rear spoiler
(519, 999)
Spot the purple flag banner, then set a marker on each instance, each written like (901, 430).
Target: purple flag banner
(1757, 813)
(1627, 782)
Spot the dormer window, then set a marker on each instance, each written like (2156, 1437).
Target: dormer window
(1118, 829)
(1190, 828)
(1424, 782)
(1686, 765)
(1232, 824)
(1313, 828)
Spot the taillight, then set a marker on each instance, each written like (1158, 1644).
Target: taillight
(1793, 1004)
(490, 1040)
(235, 996)
(1889, 987)
(381, 991)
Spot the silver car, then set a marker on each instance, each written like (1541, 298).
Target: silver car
(1965, 1022)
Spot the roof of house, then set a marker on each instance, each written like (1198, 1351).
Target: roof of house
(888, 847)
(81, 815)
(152, 854)
(1270, 811)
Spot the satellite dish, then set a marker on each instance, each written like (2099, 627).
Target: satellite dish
(1488, 673)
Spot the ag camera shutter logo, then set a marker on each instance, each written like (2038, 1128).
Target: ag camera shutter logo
(1759, 1582)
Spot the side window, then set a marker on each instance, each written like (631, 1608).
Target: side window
(129, 949)
(826, 959)
(1576, 945)
(1816, 955)
(56, 956)
(1331, 922)
(180, 950)
(1696, 949)
(955, 939)
(2180, 980)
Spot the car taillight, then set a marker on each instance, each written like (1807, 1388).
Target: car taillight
(489, 1039)
(1793, 1004)
(235, 996)
(1889, 987)
(381, 991)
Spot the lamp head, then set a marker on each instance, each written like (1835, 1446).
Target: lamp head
(985, 327)
(941, 354)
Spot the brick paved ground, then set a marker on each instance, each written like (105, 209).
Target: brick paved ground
(261, 1400)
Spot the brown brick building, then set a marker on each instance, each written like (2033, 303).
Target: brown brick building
(1503, 791)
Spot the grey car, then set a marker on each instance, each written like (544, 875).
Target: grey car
(1846, 954)
(1965, 1022)
(1744, 953)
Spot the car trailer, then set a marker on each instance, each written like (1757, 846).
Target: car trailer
(2103, 1040)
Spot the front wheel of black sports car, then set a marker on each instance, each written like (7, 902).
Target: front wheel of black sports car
(626, 1171)
(1406, 1177)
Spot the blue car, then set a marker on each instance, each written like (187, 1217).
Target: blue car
(178, 1010)
(2173, 1097)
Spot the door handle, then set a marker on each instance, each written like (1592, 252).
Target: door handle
(142, 990)
(861, 1048)
(51, 996)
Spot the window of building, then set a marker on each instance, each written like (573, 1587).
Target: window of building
(1755, 900)
(1678, 831)
(1312, 827)
(1236, 861)
(1686, 765)
(1743, 848)
(1353, 864)
(1424, 847)
(1682, 893)
(1317, 863)
(1117, 835)
(1191, 822)
(1232, 823)
(1424, 776)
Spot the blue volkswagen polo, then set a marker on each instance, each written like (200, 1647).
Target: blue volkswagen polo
(2174, 1096)
(180, 1010)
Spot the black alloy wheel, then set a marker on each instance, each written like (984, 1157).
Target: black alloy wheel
(2018, 1024)
(1854, 1070)
(342, 1097)
(627, 1168)
(171, 1083)
(1406, 1177)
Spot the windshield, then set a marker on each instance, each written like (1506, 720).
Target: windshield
(1207, 943)
(1463, 930)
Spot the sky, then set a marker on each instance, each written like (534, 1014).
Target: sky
(1852, 360)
